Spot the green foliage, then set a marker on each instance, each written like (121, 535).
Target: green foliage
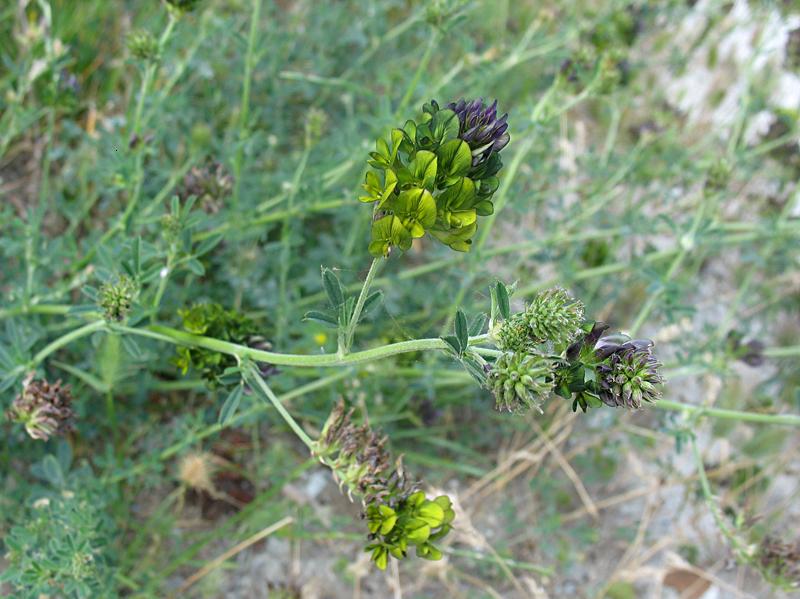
(60, 542)
(212, 320)
(214, 157)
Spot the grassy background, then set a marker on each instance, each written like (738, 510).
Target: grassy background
(666, 200)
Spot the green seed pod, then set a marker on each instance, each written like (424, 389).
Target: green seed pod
(520, 381)
(554, 315)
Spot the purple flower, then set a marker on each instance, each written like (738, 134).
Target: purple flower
(481, 128)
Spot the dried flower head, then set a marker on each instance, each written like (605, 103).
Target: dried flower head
(555, 316)
(196, 470)
(628, 373)
(116, 298)
(359, 458)
(481, 128)
(44, 409)
(780, 560)
(210, 184)
(520, 381)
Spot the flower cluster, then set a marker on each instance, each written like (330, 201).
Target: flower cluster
(780, 561)
(212, 320)
(143, 45)
(438, 176)
(398, 514)
(550, 348)
(210, 184)
(44, 409)
(116, 298)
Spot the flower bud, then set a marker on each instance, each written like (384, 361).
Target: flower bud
(43, 409)
(520, 381)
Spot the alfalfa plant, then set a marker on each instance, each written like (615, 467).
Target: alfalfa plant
(433, 176)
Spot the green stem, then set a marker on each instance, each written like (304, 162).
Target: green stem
(253, 376)
(723, 414)
(286, 249)
(136, 126)
(176, 337)
(350, 330)
(87, 329)
(782, 352)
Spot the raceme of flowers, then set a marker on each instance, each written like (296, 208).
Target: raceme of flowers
(436, 176)
(398, 514)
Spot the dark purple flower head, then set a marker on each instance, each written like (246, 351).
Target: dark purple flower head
(481, 128)
(628, 373)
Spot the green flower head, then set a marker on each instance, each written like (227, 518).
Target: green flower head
(436, 175)
(555, 316)
(143, 45)
(520, 381)
(116, 298)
